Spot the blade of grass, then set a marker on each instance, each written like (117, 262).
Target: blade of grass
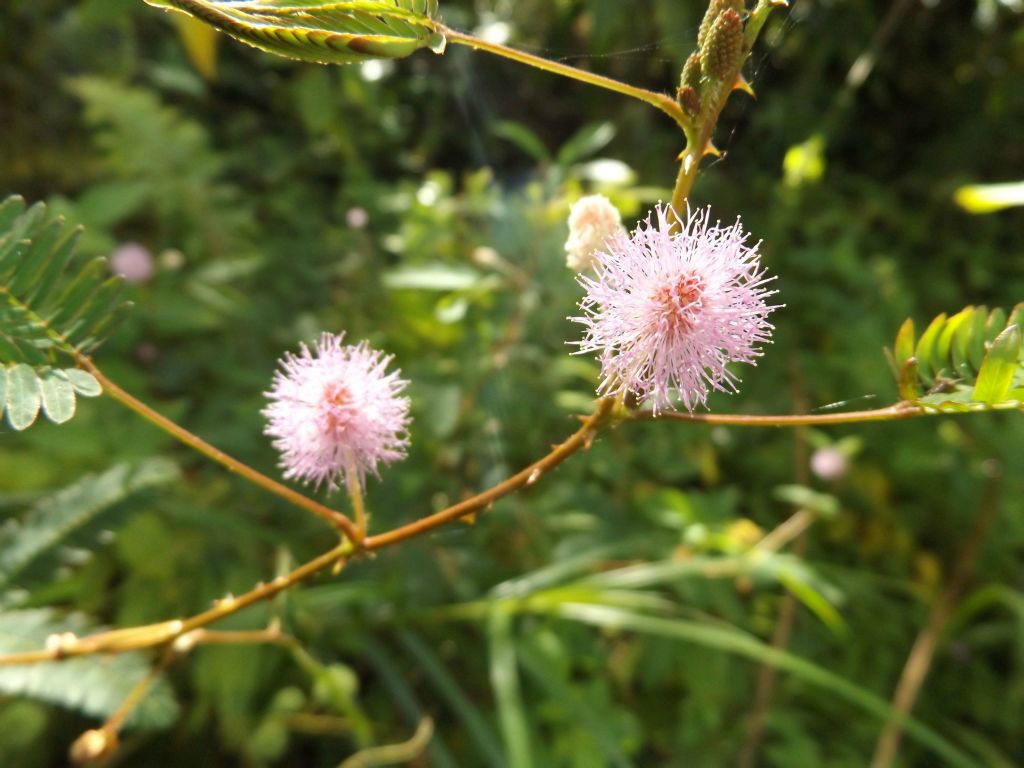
(405, 700)
(477, 727)
(507, 693)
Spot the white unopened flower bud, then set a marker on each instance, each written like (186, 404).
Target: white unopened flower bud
(592, 221)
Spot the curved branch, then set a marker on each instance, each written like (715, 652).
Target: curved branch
(153, 635)
(195, 442)
(896, 412)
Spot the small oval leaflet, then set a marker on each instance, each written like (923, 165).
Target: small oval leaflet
(22, 396)
(323, 32)
(58, 397)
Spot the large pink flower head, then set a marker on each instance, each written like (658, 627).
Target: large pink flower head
(669, 310)
(335, 413)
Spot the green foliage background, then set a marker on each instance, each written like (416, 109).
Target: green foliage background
(244, 186)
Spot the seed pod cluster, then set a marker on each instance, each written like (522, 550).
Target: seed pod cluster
(715, 9)
(689, 86)
(719, 53)
(722, 52)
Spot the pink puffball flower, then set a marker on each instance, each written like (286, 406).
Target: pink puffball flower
(667, 311)
(335, 413)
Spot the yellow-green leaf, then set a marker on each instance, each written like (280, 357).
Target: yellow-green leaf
(904, 347)
(925, 352)
(323, 32)
(995, 378)
(200, 41)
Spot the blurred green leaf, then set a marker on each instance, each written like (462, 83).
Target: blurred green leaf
(56, 517)
(93, 685)
(434, 277)
(447, 684)
(505, 682)
(587, 141)
(730, 640)
(522, 137)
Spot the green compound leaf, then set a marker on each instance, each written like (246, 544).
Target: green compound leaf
(45, 308)
(55, 518)
(93, 685)
(46, 311)
(971, 361)
(25, 392)
(323, 32)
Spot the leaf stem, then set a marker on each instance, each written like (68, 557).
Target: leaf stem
(335, 518)
(660, 101)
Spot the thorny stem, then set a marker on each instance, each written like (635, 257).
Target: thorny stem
(660, 101)
(135, 638)
(99, 743)
(897, 412)
(335, 518)
(714, 95)
(152, 635)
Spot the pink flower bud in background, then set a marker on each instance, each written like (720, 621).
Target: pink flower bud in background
(593, 220)
(829, 463)
(335, 414)
(357, 218)
(133, 262)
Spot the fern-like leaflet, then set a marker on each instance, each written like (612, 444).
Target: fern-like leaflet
(50, 314)
(970, 361)
(323, 32)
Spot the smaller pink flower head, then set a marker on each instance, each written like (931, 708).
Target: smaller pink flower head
(667, 311)
(335, 413)
(829, 463)
(133, 263)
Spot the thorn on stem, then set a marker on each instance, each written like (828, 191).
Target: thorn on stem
(61, 644)
(742, 84)
(186, 642)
